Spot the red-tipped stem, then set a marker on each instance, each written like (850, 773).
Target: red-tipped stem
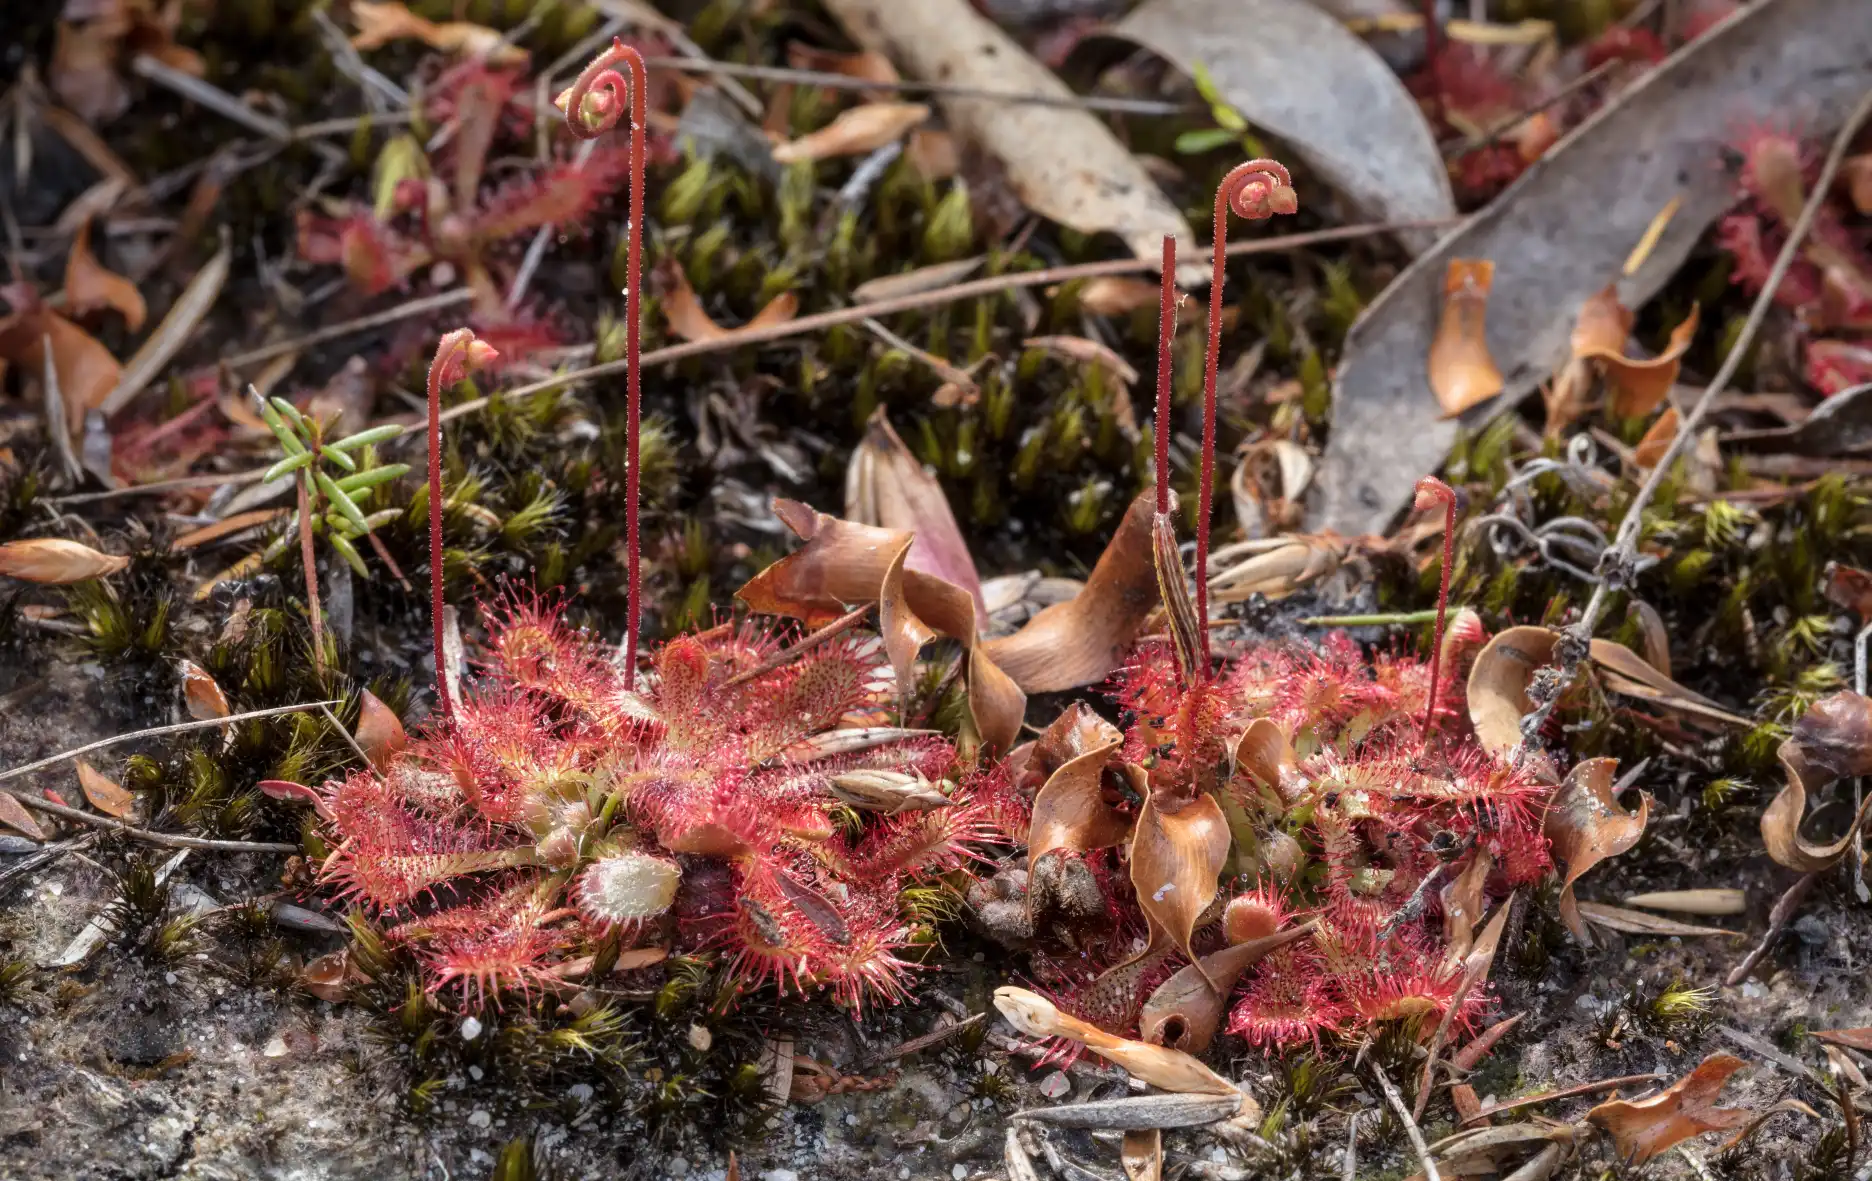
(1431, 492)
(1255, 190)
(593, 105)
(1166, 342)
(457, 355)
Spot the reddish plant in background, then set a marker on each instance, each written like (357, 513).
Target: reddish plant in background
(429, 207)
(1829, 287)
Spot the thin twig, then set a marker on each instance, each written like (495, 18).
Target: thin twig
(157, 732)
(213, 97)
(1467, 144)
(1625, 545)
(344, 733)
(793, 652)
(1604, 1084)
(403, 311)
(1351, 1148)
(1778, 920)
(1085, 102)
(1616, 564)
(1410, 1125)
(171, 840)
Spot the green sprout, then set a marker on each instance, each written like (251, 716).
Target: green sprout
(1230, 128)
(330, 476)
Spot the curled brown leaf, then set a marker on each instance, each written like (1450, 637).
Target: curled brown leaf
(1498, 684)
(1831, 741)
(379, 731)
(1176, 858)
(1269, 483)
(682, 308)
(1186, 1010)
(886, 485)
(1070, 811)
(1585, 825)
(1157, 1066)
(1643, 1128)
(1079, 642)
(14, 815)
(1624, 671)
(1599, 336)
(201, 694)
(1462, 373)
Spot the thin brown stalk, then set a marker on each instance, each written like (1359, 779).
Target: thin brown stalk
(1604, 1084)
(792, 652)
(170, 840)
(156, 732)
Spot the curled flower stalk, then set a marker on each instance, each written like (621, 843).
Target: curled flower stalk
(593, 105)
(457, 355)
(1255, 190)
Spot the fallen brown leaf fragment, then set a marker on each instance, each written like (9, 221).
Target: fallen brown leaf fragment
(867, 66)
(1275, 567)
(1462, 372)
(14, 815)
(226, 527)
(1585, 825)
(1643, 1128)
(1117, 295)
(1711, 901)
(201, 694)
(687, 319)
(1657, 440)
(381, 23)
(380, 732)
(1624, 671)
(855, 131)
(85, 370)
(89, 285)
(1157, 1066)
(55, 561)
(1064, 164)
(1850, 588)
(1599, 337)
(1857, 1039)
(1141, 1153)
(104, 793)
(1269, 486)
(1637, 922)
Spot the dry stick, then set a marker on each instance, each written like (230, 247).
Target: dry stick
(1410, 1125)
(1778, 920)
(1351, 1148)
(761, 334)
(157, 732)
(1604, 1084)
(793, 652)
(171, 840)
(403, 311)
(1087, 102)
(1625, 545)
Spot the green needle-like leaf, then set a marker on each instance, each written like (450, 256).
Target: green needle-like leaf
(374, 477)
(338, 457)
(377, 434)
(350, 553)
(342, 502)
(290, 464)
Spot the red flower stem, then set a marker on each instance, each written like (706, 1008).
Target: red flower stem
(1430, 490)
(311, 575)
(598, 87)
(1166, 339)
(448, 365)
(1257, 189)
